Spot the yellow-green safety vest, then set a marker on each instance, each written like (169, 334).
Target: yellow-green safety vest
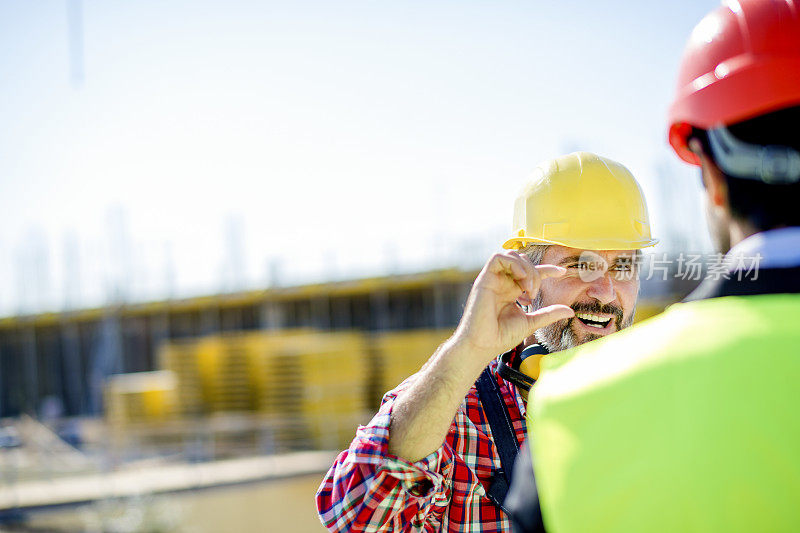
(689, 421)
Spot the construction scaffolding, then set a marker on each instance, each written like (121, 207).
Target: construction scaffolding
(64, 360)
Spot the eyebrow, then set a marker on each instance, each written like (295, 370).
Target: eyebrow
(617, 260)
(625, 259)
(570, 259)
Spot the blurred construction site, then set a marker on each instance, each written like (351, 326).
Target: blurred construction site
(226, 230)
(145, 417)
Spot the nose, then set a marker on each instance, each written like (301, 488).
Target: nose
(602, 289)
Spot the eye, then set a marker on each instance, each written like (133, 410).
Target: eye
(578, 266)
(624, 271)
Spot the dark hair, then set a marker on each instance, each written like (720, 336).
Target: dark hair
(764, 206)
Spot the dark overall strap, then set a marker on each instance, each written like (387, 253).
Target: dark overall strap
(503, 434)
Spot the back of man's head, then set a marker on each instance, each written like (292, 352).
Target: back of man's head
(762, 205)
(736, 109)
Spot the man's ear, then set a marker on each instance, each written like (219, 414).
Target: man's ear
(713, 179)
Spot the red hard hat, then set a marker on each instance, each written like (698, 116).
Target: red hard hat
(742, 60)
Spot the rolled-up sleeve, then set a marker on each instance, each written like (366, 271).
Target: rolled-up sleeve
(367, 489)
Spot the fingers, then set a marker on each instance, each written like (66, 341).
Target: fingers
(547, 315)
(522, 272)
(550, 271)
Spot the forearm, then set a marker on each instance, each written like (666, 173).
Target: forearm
(367, 489)
(424, 412)
(390, 479)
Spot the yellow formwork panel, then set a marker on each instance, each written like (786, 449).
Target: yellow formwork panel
(320, 379)
(263, 345)
(402, 353)
(319, 365)
(312, 384)
(225, 365)
(209, 362)
(180, 357)
(141, 397)
(233, 367)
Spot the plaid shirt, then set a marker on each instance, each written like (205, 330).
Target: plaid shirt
(367, 489)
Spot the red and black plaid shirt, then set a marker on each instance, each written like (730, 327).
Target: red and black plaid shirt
(367, 489)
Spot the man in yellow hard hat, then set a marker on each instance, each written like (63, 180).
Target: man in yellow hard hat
(688, 421)
(438, 454)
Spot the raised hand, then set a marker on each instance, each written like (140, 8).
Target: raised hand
(493, 322)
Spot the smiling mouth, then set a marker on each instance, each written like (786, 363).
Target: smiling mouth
(593, 320)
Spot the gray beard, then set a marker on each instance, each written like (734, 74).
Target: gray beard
(560, 336)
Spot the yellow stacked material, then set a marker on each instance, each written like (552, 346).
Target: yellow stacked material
(221, 373)
(399, 354)
(141, 397)
(226, 365)
(263, 346)
(180, 357)
(316, 387)
(313, 387)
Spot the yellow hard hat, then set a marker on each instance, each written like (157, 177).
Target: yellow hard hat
(584, 201)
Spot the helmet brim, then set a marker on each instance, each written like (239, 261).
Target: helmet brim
(517, 243)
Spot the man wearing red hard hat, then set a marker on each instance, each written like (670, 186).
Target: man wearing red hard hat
(688, 421)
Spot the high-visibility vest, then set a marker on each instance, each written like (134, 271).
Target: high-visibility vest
(689, 421)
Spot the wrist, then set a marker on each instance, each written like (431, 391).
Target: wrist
(463, 358)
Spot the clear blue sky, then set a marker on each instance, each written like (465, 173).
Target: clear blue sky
(222, 141)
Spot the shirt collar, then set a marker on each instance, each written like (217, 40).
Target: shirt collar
(777, 248)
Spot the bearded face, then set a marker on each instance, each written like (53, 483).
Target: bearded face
(600, 286)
